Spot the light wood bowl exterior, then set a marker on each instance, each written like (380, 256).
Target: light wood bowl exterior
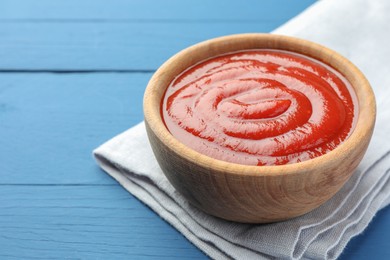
(256, 194)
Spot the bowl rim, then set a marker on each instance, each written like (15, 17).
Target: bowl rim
(210, 48)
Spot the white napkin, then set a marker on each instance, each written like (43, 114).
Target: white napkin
(357, 29)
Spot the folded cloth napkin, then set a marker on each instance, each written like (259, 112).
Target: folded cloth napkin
(357, 29)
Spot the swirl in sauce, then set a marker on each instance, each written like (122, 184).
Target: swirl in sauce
(260, 107)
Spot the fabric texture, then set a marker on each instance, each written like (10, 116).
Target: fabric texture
(356, 29)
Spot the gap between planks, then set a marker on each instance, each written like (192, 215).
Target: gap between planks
(102, 20)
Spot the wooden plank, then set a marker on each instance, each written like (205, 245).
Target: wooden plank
(78, 222)
(106, 222)
(50, 123)
(122, 10)
(122, 35)
(94, 46)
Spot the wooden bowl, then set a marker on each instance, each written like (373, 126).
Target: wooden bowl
(256, 194)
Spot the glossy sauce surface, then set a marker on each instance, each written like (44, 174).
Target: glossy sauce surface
(260, 107)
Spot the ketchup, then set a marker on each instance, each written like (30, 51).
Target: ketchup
(260, 107)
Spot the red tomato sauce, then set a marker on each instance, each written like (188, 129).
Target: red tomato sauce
(260, 107)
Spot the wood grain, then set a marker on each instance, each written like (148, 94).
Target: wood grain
(50, 123)
(250, 193)
(84, 222)
(104, 46)
(149, 10)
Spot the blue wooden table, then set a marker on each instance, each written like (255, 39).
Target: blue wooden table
(72, 75)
